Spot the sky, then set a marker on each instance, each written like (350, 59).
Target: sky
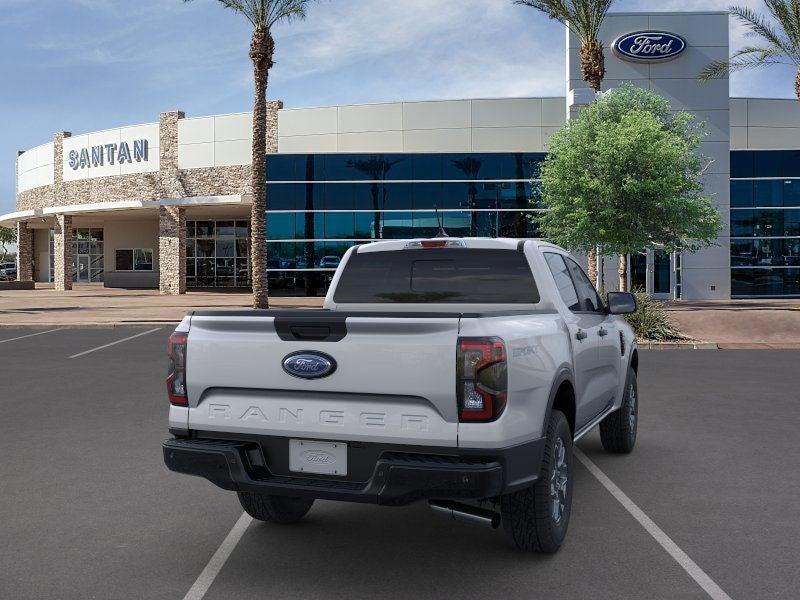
(86, 65)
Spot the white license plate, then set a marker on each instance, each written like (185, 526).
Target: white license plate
(324, 458)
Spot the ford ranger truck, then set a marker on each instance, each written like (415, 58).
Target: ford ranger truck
(459, 372)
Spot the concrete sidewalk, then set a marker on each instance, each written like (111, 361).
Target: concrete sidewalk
(740, 323)
(92, 304)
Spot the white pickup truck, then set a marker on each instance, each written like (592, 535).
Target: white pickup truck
(456, 371)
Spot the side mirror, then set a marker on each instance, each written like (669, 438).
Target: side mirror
(621, 303)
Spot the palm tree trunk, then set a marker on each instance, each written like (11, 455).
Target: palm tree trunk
(593, 67)
(261, 51)
(592, 266)
(797, 84)
(623, 273)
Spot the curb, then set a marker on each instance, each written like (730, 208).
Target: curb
(646, 345)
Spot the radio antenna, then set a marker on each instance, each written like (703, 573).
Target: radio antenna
(442, 233)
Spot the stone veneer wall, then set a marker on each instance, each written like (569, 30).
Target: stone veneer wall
(24, 252)
(62, 250)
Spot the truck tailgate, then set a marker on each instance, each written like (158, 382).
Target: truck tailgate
(394, 380)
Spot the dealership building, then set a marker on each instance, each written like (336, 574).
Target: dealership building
(166, 204)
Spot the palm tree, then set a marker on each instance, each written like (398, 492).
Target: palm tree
(263, 15)
(376, 168)
(780, 41)
(584, 19)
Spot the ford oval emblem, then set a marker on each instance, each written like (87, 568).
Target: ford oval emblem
(649, 46)
(308, 364)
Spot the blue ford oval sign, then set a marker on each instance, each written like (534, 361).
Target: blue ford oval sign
(649, 46)
(309, 364)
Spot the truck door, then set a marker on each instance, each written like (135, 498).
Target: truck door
(585, 321)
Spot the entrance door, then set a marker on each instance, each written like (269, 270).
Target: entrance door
(662, 273)
(83, 268)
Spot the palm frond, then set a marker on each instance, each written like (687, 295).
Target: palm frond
(583, 17)
(263, 14)
(746, 58)
(759, 26)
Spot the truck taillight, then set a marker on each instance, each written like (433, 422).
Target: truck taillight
(176, 378)
(482, 378)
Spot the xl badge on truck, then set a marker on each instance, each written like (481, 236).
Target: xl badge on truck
(308, 364)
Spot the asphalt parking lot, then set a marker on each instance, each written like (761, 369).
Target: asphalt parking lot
(87, 509)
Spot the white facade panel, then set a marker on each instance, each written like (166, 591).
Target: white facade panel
(195, 156)
(773, 113)
(691, 62)
(446, 114)
(717, 126)
(437, 140)
(308, 121)
(371, 141)
(101, 138)
(196, 131)
(615, 26)
(35, 167)
(767, 138)
(554, 112)
(370, 117)
(233, 127)
(301, 144)
(719, 153)
(234, 152)
(690, 94)
(508, 112)
(507, 139)
(711, 283)
(738, 112)
(698, 29)
(739, 138)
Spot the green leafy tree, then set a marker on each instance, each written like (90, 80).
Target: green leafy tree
(584, 19)
(626, 175)
(7, 237)
(778, 40)
(263, 15)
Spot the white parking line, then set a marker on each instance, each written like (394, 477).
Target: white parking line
(214, 566)
(22, 337)
(687, 564)
(114, 343)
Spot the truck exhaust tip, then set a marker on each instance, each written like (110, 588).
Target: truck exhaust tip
(465, 513)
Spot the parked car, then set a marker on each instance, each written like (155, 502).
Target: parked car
(8, 271)
(329, 262)
(454, 371)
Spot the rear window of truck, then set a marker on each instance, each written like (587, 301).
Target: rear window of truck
(437, 275)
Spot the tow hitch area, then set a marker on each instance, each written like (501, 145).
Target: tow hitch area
(466, 513)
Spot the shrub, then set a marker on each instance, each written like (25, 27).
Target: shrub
(651, 321)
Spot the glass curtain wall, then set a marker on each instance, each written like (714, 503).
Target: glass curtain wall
(319, 205)
(765, 223)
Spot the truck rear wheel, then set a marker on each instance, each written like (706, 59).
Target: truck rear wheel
(536, 518)
(618, 430)
(274, 509)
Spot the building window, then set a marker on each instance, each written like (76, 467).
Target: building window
(320, 205)
(133, 259)
(765, 223)
(218, 254)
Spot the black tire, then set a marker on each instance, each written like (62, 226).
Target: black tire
(618, 430)
(275, 509)
(529, 515)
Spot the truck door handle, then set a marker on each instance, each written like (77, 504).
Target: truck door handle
(581, 335)
(602, 332)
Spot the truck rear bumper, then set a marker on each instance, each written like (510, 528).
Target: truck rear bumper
(398, 478)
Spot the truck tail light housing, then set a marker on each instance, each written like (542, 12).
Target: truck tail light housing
(176, 377)
(482, 379)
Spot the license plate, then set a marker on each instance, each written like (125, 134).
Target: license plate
(324, 458)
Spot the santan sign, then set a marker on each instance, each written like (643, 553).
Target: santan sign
(649, 46)
(97, 156)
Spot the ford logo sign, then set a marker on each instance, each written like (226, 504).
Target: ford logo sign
(649, 46)
(308, 364)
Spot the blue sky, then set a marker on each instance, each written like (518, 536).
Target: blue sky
(84, 65)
